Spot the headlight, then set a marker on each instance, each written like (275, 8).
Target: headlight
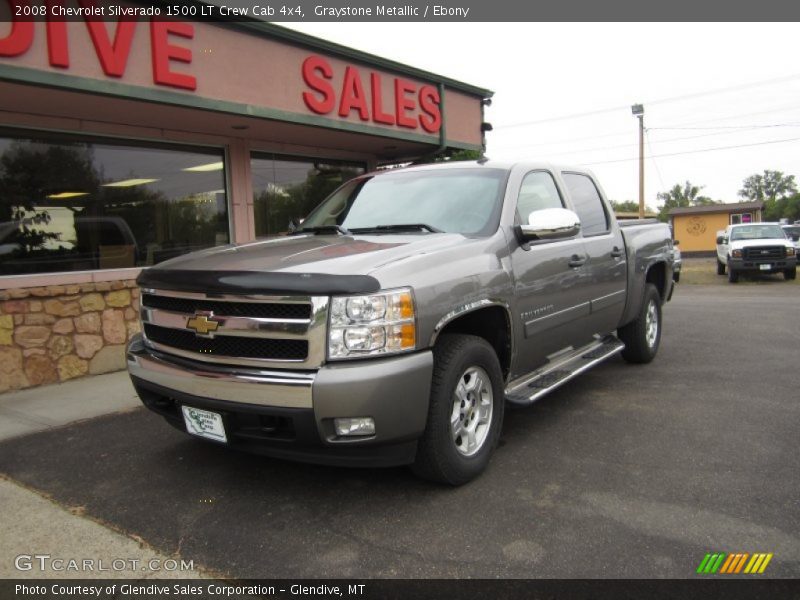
(790, 251)
(373, 324)
(736, 253)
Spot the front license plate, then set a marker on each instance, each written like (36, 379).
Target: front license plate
(765, 267)
(204, 423)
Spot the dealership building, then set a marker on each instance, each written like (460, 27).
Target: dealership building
(123, 144)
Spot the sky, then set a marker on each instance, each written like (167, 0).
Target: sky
(721, 100)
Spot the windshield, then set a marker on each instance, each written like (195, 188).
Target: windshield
(757, 232)
(463, 201)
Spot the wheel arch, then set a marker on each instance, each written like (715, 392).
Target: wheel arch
(487, 319)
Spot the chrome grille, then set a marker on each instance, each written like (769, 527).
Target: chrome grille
(226, 345)
(231, 309)
(260, 331)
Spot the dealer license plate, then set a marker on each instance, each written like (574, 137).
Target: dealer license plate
(765, 267)
(204, 423)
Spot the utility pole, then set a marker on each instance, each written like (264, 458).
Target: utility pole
(638, 111)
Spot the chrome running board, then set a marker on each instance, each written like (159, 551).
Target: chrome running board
(529, 388)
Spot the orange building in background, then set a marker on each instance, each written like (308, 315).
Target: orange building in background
(696, 226)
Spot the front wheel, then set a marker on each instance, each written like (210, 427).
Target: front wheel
(643, 336)
(733, 276)
(790, 274)
(465, 414)
(720, 267)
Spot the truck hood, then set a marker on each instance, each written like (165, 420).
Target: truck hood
(740, 244)
(316, 264)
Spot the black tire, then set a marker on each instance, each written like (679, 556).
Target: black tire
(640, 345)
(789, 274)
(733, 276)
(676, 277)
(440, 457)
(720, 268)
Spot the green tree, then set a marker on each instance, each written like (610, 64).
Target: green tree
(681, 196)
(625, 206)
(774, 189)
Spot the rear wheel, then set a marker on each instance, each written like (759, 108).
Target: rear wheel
(720, 267)
(465, 413)
(789, 274)
(643, 336)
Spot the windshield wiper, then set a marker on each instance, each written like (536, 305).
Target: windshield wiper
(399, 227)
(322, 229)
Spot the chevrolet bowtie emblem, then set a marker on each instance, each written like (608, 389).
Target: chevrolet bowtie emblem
(202, 324)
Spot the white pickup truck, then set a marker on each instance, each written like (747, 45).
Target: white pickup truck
(755, 248)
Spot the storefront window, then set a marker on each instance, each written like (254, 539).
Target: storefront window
(286, 188)
(76, 204)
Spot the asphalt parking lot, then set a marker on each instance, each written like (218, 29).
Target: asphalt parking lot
(628, 471)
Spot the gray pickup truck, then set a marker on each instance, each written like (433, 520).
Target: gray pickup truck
(393, 326)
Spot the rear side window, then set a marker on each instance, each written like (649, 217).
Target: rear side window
(588, 203)
(538, 191)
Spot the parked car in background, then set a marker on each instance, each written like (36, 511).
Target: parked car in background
(793, 233)
(755, 248)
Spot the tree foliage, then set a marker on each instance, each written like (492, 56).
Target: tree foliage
(624, 206)
(777, 191)
(681, 196)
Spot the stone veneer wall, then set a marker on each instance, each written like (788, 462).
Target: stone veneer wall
(60, 332)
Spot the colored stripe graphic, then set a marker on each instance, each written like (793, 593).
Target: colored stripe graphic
(765, 563)
(734, 563)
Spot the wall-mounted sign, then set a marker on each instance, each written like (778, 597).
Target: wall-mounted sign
(112, 43)
(408, 105)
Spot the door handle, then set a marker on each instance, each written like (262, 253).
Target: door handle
(616, 252)
(576, 261)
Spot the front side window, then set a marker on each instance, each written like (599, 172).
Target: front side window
(288, 189)
(588, 204)
(538, 191)
(463, 201)
(78, 205)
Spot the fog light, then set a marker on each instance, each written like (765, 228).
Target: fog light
(355, 426)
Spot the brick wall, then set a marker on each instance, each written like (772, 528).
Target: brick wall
(60, 332)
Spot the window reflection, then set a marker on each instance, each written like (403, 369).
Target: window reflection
(285, 188)
(74, 204)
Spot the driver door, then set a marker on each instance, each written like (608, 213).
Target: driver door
(549, 280)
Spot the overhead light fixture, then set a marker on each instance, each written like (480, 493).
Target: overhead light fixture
(64, 195)
(129, 182)
(215, 166)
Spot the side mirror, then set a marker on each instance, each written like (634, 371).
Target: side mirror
(720, 239)
(294, 225)
(550, 224)
(675, 242)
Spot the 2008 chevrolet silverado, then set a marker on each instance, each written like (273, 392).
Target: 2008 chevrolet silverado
(395, 323)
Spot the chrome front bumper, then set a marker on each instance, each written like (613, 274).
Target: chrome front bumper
(285, 389)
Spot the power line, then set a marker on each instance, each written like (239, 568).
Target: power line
(603, 162)
(653, 158)
(655, 102)
(796, 124)
(724, 131)
(788, 107)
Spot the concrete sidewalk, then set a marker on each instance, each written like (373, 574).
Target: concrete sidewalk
(45, 407)
(33, 524)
